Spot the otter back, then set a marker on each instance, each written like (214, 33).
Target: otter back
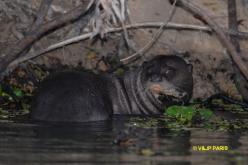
(72, 97)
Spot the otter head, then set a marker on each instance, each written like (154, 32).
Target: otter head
(168, 79)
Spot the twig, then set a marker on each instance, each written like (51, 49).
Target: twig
(156, 36)
(204, 15)
(41, 14)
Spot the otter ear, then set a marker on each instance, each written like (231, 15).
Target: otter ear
(190, 68)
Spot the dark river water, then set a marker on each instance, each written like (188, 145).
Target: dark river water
(117, 142)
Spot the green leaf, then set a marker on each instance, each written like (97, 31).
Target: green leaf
(181, 113)
(205, 113)
(18, 92)
(185, 114)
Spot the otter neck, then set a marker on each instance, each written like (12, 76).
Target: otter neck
(140, 99)
(118, 96)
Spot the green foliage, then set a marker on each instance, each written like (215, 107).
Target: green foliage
(14, 103)
(184, 114)
(4, 94)
(178, 118)
(181, 113)
(18, 92)
(205, 114)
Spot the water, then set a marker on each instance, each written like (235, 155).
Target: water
(116, 142)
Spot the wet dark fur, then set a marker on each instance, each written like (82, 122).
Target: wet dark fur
(74, 96)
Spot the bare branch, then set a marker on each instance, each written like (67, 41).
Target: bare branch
(14, 51)
(233, 26)
(40, 18)
(156, 36)
(204, 15)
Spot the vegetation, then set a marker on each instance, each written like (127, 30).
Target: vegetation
(189, 117)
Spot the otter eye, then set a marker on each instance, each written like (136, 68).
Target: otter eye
(156, 78)
(170, 73)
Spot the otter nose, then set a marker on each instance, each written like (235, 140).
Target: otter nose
(156, 88)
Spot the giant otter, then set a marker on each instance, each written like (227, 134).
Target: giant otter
(74, 96)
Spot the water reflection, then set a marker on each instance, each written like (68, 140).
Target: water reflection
(115, 142)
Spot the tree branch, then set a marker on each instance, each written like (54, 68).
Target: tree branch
(14, 51)
(40, 17)
(233, 22)
(204, 15)
(233, 26)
